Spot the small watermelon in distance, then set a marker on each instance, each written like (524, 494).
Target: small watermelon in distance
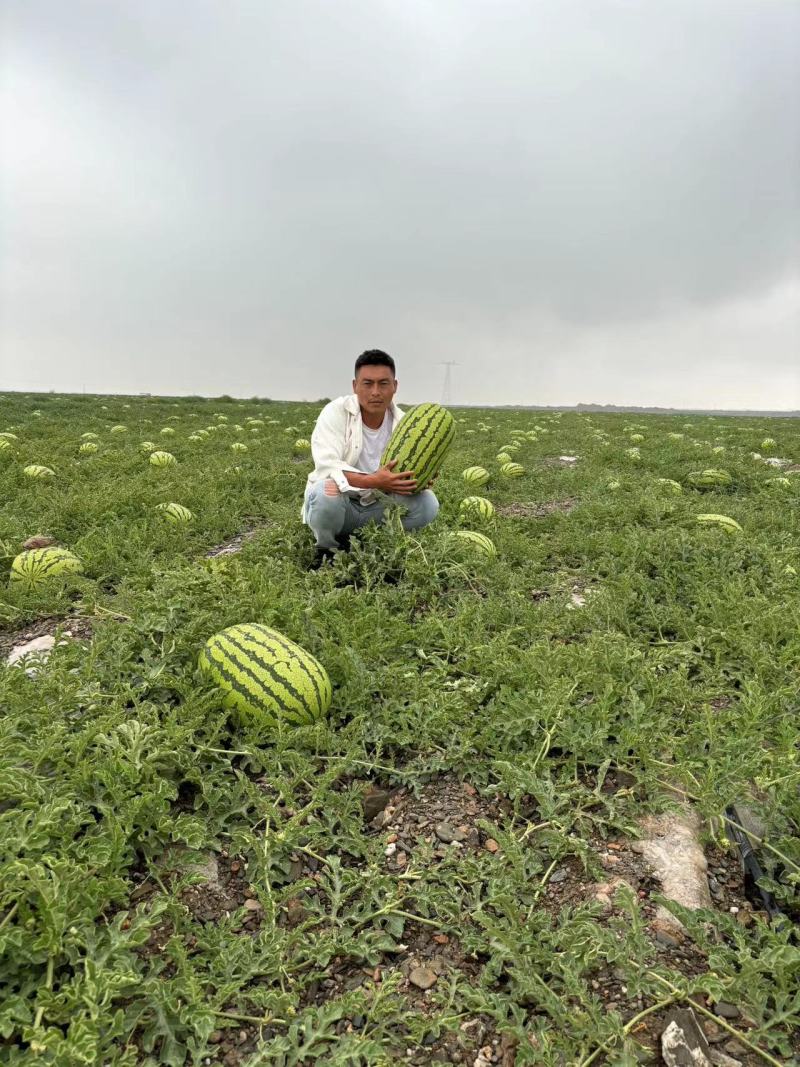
(709, 478)
(162, 459)
(420, 441)
(267, 678)
(512, 470)
(88, 447)
(36, 470)
(725, 521)
(476, 507)
(36, 565)
(479, 541)
(503, 457)
(475, 476)
(175, 513)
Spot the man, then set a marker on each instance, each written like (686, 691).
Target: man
(348, 486)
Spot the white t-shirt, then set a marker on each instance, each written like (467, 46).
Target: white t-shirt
(374, 442)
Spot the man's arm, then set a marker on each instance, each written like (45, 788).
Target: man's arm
(385, 479)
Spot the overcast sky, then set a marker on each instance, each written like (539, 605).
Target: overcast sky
(576, 200)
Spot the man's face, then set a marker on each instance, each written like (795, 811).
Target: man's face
(374, 387)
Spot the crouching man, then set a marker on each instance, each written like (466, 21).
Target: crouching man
(348, 486)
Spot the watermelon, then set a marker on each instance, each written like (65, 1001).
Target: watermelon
(476, 476)
(87, 448)
(175, 513)
(779, 483)
(38, 564)
(6, 436)
(238, 446)
(167, 431)
(725, 521)
(512, 470)
(36, 470)
(709, 479)
(480, 541)
(503, 457)
(266, 677)
(162, 459)
(5, 445)
(476, 507)
(119, 429)
(302, 445)
(671, 484)
(420, 441)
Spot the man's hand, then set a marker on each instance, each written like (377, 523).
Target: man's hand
(389, 481)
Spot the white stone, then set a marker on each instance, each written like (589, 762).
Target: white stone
(672, 848)
(38, 650)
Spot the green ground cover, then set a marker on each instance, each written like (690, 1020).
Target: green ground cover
(543, 697)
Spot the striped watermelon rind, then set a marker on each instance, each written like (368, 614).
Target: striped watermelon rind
(480, 541)
(420, 442)
(725, 521)
(36, 565)
(476, 476)
(162, 459)
(476, 507)
(175, 513)
(36, 470)
(512, 470)
(267, 678)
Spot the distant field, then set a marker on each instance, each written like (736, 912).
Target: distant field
(420, 879)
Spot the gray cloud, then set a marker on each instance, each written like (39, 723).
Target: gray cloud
(240, 198)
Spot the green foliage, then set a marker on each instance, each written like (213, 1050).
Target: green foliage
(681, 664)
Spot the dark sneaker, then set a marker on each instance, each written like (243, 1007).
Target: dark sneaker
(320, 555)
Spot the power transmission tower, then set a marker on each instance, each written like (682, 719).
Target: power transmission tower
(447, 388)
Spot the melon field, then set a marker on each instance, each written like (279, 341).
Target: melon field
(455, 863)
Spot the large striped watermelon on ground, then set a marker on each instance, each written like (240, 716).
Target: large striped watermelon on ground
(420, 441)
(38, 564)
(475, 476)
(724, 521)
(478, 541)
(476, 507)
(175, 513)
(512, 470)
(267, 678)
(36, 470)
(162, 459)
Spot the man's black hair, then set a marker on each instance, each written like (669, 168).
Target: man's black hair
(373, 357)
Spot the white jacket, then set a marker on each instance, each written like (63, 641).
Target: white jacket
(336, 445)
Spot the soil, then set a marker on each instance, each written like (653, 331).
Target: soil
(80, 627)
(540, 510)
(256, 523)
(422, 830)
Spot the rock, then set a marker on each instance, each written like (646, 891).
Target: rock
(752, 823)
(666, 934)
(683, 1043)
(422, 977)
(374, 801)
(734, 1048)
(559, 876)
(726, 1010)
(721, 1060)
(39, 648)
(253, 905)
(491, 845)
(38, 541)
(446, 833)
(672, 849)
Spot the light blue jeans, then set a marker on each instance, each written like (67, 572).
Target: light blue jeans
(332, 514)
